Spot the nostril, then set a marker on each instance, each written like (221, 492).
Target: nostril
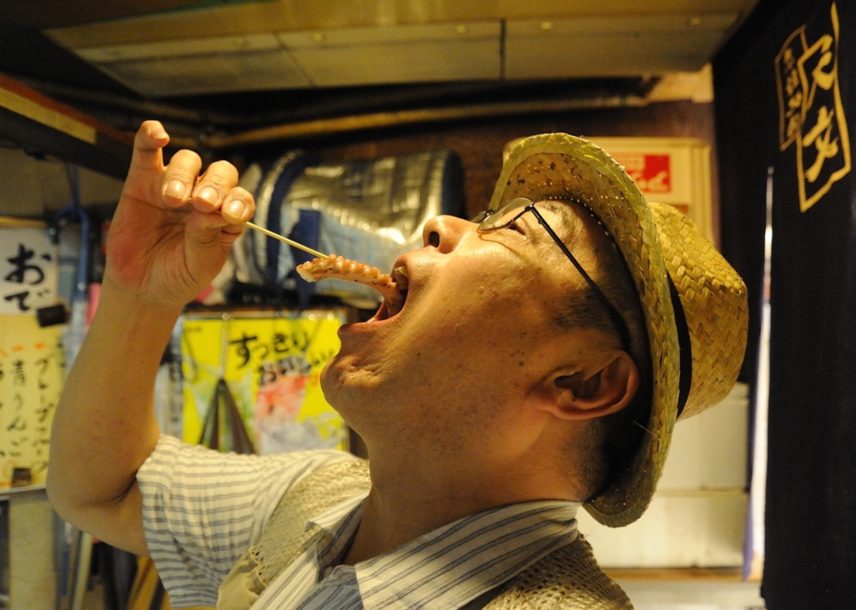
(434, 238)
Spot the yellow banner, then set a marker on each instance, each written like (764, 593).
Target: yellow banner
(271, 366)
(31, 377)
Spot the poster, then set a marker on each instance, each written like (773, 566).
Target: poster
(28, 270)
(31, 377)
(669, 170)
(271, 363)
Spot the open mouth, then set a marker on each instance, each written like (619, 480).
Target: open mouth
(392, 287)
(393, 302)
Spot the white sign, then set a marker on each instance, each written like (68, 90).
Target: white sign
(28, 270)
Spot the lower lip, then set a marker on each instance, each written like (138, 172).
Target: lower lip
(371, 322)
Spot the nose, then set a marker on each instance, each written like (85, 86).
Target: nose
(444, 232)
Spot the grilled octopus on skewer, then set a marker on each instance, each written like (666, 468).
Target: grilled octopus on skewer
(392, 290)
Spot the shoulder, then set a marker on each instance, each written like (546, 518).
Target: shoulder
(568, 578)
(180, 472)
(171, 453)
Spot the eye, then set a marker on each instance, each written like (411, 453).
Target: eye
(516, 226)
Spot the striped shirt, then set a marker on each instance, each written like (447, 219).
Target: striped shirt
(202, 510)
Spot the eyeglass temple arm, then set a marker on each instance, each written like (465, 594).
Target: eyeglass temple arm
(616, 318)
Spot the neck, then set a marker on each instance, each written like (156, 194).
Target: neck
(410, 498)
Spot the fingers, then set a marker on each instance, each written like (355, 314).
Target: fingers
(214, 185)
(215, 190)
(180, 177)
(149, 141)
(214, 194)
(239, 206)
(208, 228)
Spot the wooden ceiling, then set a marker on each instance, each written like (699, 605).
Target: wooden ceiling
(173, 48)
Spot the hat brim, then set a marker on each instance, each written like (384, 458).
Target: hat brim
(557, 166)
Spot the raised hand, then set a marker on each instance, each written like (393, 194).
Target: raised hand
(173, 227)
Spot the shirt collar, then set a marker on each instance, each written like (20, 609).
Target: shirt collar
(452, 564)
(336, 529)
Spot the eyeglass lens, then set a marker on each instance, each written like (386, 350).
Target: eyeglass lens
(504, 216)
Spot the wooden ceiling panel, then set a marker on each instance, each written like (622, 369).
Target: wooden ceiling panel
(421, 53)
(213, 73)
(345, 43)
(618, 46)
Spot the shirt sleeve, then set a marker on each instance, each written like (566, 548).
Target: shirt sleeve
(203, 509)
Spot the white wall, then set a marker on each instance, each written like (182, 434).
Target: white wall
(36, 188)
(697, 518)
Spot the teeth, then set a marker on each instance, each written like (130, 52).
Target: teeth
(399, 275)
(398, 278)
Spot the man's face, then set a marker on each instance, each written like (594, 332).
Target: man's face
(476, 335)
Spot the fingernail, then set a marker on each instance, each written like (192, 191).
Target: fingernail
(235, 208)
(207, 194)
(175, 188)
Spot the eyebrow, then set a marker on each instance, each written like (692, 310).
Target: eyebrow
(559, 207)
(563, 225)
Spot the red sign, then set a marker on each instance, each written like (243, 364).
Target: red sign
(652, 173)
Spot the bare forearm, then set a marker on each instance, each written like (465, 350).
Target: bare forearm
(173, 229)
(104, 426)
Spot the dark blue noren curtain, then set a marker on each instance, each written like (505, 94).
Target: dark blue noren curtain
(785, 90)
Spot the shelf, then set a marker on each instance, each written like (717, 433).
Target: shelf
(7, 492)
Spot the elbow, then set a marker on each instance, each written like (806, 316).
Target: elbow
(66, 500)
(54, 493)
(58, 497)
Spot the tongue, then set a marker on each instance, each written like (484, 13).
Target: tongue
(341, 268)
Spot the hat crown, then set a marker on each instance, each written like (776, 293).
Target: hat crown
(713, 297)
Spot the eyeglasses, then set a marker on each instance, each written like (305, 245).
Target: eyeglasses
(492, 220)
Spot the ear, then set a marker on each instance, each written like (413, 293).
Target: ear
(589, 394)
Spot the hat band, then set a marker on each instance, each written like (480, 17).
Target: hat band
(684, 347)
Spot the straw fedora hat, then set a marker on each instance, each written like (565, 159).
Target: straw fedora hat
(696, 340)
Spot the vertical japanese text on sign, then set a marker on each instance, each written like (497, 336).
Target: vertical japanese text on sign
(811, 111)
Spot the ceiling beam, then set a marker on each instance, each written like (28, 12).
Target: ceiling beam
(46, 128)
(52, 14)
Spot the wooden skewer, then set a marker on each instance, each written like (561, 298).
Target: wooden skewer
(282, 238)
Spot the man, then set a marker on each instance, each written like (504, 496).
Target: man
(539, 362)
